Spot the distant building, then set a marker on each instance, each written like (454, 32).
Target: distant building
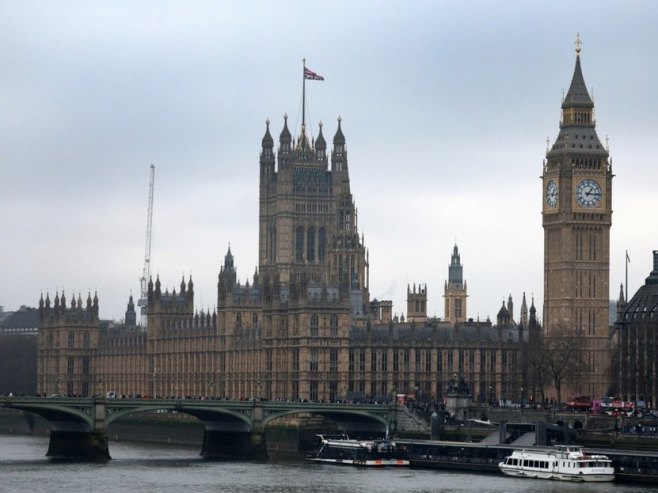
(18, 351)
(302, 328)
(636, 375)
(455, 291)
(577, 216)
(23, 321)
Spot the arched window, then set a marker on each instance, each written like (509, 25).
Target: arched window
(322, 244)
(334, 326)
(314, 325)
(310, 245)
(299, 244)
(71, 340)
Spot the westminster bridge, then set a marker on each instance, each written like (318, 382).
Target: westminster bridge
(233, 429)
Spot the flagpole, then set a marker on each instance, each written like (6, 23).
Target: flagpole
(626, 276)
(304, 93)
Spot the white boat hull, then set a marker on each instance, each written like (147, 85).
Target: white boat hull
(366, 463)
(589, 477)
(563, 463)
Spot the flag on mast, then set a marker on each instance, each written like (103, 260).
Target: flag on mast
(310, 75)
(628, 259)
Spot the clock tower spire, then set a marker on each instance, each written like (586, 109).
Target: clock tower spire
(576, 217)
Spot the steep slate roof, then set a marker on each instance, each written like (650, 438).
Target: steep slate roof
(577, 94)
(441, 333)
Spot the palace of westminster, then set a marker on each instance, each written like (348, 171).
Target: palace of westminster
(305, 327)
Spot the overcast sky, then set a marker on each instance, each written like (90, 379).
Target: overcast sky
(446, 109)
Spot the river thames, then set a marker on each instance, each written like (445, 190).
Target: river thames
(159, 468)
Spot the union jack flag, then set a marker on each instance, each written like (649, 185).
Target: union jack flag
(310, 75)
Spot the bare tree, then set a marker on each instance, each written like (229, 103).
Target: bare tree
(538, 377)
(563, 353)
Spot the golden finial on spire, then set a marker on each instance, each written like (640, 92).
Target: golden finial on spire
(578, 44)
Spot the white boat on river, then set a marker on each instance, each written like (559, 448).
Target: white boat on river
(376, 453)
(562, 462)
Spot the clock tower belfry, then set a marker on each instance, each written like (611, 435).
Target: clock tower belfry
(576, 217)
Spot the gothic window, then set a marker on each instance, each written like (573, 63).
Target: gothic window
(458, 308)
(85, 340)
(238, 320)
(314, 325)
(295, 359)
(272, 245)
(314, 360)
(396, 361)
(439, 360)
(268, 360)
(85, 365)
(351, 361)
(70, 340)
(592, 246)
(314, 390)
(333, 360)
(334, 325)
(384, 360)
(69, 366)
(362, 360)
(333, 390)
(406, 360)
(310, 245)
(322, 244)
(299, 244)
(373, 360)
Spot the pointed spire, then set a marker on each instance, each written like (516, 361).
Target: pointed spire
(621, 293)
(285, 138)
(228, 259)
(577, 94)
(320, 143)
(339, 138)
(268, 141)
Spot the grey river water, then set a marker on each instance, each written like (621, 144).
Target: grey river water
(157, 468)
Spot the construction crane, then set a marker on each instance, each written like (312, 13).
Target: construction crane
(146, 272)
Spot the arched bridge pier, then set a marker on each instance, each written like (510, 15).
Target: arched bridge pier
(233, 429)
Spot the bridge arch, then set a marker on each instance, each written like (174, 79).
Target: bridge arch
(213, 417)
(61, 417)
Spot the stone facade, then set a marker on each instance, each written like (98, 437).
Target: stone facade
(302, 328)
(577, 216)
(636, 361)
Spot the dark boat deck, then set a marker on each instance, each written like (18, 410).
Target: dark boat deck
(630, 466)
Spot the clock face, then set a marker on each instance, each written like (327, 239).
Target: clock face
(588, 193)
(551, 194)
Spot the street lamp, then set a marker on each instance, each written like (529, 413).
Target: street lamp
(521, 397)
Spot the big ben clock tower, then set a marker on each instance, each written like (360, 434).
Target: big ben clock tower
(576, 216)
